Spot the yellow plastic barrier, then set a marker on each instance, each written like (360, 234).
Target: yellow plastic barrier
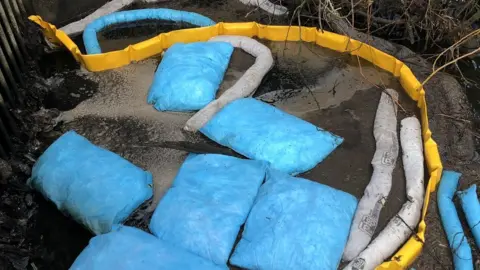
(154, 46)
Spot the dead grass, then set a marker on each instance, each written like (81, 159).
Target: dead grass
(436, 27)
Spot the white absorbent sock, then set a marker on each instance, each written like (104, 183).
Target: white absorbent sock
(244, 87)
(267, 6)
(110, 7)
(404, 223)
(376, 193)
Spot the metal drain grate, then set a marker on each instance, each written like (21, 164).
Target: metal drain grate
(13, 55)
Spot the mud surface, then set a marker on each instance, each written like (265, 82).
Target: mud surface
(437, 253)
(305, 79)
(333, 91)
(348, 168)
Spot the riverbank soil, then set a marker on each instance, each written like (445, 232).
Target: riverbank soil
(334, 91)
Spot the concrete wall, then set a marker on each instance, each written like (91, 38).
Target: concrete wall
(61, 12)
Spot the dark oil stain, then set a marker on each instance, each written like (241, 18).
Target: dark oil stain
(143, 28)
(70, 92)
(348, 168)
(206, 3)
(61, 238)
(288, 76)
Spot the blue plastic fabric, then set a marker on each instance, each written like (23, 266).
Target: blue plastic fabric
(295, 224)
(471, 208)
(209, 200)
(262, 132)
(189, 76)
(462, 254)
(96, 187)
(127, 248)
(90, 33)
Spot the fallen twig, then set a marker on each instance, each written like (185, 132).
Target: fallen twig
(447, 64)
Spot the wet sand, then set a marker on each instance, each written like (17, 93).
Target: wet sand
(321, 86)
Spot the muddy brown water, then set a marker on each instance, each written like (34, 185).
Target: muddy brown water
(334, 91)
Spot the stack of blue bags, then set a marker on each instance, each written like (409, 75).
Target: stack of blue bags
(213, 195)
(289, 222)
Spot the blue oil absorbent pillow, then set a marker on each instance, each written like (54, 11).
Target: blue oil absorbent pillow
(295, 224)
(189, 76)
(262, 132)
(96, 187)
(127, 248)
(209, 200)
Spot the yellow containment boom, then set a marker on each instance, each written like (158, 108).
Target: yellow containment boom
(155, 46)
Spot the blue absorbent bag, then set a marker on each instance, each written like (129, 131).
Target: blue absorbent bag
(295, 224)
(127, 248)
(189, 76)
(262, 132)
(96, 187)
(209, 200)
